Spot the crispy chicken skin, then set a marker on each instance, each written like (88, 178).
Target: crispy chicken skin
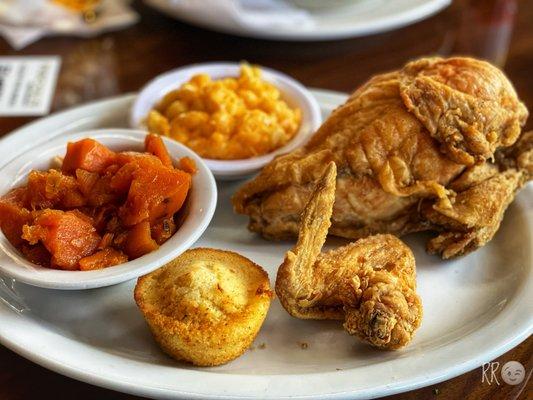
(432, 146)
(370, 284)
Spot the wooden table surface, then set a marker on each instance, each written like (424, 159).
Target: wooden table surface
(120, 62)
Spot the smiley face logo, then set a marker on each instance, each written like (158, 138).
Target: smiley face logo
(513, 373)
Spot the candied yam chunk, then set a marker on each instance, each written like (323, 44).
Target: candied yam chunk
(36, 254)
(96, 188)
(100, 209)
(134, 156)
(163, 230)
(153, 144)
(13, 215)
(52, 189)
(131, 162)
(119, 239)
(102, 193)
(138, 241)
(67, 235)
(16, 196)
(81, 215)
(103, 259)
(107, 240)
(87, 154)
(121, 180)
(112, 169)
(86, 180)
(155, 193)
(187, 164)
(99, 216)
(177, 185)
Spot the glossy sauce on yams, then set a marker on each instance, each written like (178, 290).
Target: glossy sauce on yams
(100, 209)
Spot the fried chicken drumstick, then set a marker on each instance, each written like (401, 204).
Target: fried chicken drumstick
(433, 146)
(370, 284)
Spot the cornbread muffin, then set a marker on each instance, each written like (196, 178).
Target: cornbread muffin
(206, 306)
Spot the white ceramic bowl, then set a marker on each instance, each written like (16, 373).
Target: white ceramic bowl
(292, 92)
(330, 5)
(201, 207)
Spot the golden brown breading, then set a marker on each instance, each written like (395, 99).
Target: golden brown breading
(404, 142)
(206, 306)
(370, 284)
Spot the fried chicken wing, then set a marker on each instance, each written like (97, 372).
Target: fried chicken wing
(426, 147)
(370, 284)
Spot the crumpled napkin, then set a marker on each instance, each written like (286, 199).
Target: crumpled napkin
(23, 22)
(251, 14)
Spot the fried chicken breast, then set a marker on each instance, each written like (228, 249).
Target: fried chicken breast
(432, 146)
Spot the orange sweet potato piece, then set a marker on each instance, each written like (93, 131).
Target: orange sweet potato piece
(102, 259)
(125, 157)
(112, 169)
(96, 188)
(99, 216)
(81, 215)
(156, 192)
(113, 224)
(52, 189)
(119, 238)
(131, 162)
(163, 230)
(107, 240)
(67, 235)
(102, 193)
(87, 154)
(86, 180)
(13, 215)
(100, 202)
(36, 254)
(173, 198)
(187, 164)
(153, 144)
(139, 241)
(121, 180)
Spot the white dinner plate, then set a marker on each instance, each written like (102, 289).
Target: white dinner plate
(475, 309)
(363, 17)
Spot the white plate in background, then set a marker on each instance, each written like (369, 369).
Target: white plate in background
(475, 309)
(363, 17)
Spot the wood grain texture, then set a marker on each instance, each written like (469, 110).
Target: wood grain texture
(124, 61)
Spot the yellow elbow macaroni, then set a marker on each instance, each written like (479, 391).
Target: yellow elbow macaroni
(226, 119)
